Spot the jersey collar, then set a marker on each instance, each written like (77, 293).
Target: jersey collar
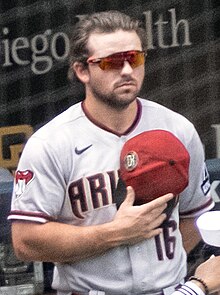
(102, 126)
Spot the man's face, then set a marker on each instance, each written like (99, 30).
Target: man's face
(115, 87)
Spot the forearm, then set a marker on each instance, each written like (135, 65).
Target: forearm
(57, 242)
(64, 243)
(190, 234)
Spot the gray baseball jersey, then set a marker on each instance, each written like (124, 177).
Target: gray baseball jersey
(68, 172)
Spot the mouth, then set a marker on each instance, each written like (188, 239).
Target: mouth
(126, 84)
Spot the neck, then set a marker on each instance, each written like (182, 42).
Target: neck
(118, 120)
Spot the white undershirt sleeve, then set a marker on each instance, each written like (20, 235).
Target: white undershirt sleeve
(189, 288)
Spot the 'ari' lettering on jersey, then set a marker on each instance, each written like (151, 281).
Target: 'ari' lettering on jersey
(92, 192)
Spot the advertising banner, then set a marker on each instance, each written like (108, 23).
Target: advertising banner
(182, 68)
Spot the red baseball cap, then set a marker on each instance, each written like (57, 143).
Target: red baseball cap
(154, 163)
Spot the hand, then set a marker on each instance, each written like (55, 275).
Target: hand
(209, 272)
(137, 223)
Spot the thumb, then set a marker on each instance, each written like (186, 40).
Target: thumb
(130, 197)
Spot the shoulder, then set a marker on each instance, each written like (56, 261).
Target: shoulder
(151, 106)
(57, 133)
(158, 116)
(61, 122)
(63, 126)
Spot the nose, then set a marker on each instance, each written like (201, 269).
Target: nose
(126, 69)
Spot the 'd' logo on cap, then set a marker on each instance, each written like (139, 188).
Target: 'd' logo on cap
(131, 161)
(154, 163)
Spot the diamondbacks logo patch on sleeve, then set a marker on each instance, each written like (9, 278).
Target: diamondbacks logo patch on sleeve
(22, 179)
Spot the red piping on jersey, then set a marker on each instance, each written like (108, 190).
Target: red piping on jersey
(102, 126)
(31, 214)
(190, 212)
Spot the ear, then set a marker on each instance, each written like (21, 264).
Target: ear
(81, 72)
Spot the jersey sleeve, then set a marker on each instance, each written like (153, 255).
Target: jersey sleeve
(189, 289)
(196, 198)
(39, 189)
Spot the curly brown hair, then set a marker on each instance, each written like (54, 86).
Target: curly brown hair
(99, 22)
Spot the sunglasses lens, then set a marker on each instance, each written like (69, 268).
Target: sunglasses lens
(116, 61)
(111, 63)
(136, 59)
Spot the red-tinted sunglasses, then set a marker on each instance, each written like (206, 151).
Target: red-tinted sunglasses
(116, 61)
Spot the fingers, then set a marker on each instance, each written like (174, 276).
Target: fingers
(156, 221)
(153, 233)
(153, 209)
(137, 223)
(160, 201)
(130, 197)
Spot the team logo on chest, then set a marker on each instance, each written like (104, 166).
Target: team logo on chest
(22, 179)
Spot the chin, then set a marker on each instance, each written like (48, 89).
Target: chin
(124, 101)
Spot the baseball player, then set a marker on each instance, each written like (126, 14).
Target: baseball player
(63, 208)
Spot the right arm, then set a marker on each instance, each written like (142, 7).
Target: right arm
(58, 242)
(209, 272)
